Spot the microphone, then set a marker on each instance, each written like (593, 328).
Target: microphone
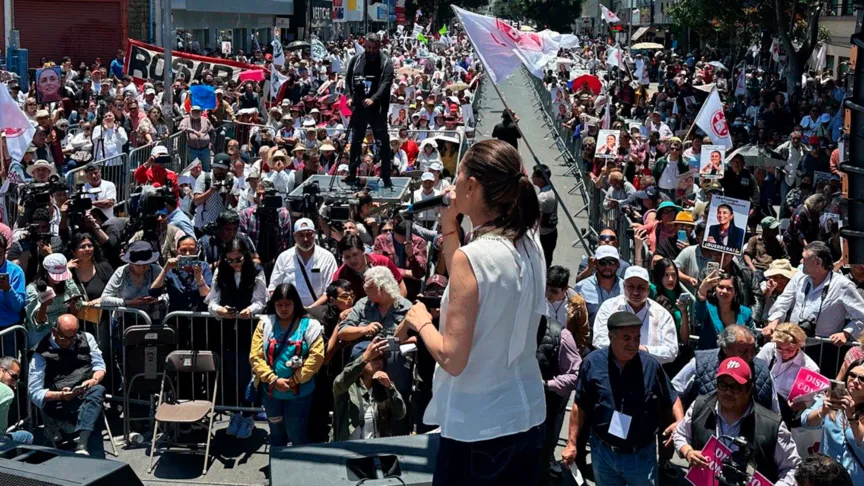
(435, 202)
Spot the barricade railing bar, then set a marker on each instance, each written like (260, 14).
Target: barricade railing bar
(14, 342)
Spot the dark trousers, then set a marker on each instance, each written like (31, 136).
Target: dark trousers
(511, 459)
(322, 405)
(555, 405)
(85, 412)
(362, 118)
(548, 242)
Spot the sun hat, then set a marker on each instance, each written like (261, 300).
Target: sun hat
(684, 217)
(780, 267)
(41, 164)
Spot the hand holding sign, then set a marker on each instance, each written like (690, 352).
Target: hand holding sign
(807, 384)
(713, 454)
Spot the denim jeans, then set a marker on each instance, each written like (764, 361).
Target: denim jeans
(612, 469)
(21, 437)
(85, 412)
(511, 459)
(202, 154)
(289, 420)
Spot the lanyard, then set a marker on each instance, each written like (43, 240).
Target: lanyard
(821, 299)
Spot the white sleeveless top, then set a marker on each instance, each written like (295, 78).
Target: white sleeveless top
(500, 392)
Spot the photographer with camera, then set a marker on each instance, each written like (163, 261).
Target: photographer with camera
(102, 192)
(157, 231)
(37, 242)
(732, 413)
(187, 279)
(267, 224)
(214, 192)
(221, 234)
(153, 171)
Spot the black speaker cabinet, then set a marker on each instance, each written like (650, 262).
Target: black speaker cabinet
(411, 459)
(23, 465)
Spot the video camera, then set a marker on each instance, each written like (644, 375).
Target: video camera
(272, 199)
(739, 467)
(38, 194)
(79, 204)
(35, 236)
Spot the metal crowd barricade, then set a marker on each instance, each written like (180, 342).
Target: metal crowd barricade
(109, 331)
(231, 339)
(14, 339)
(114, 169)
(828, 356)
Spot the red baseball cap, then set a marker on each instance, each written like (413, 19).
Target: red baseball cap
(737, 369)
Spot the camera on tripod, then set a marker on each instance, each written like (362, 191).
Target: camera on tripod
(272, 199)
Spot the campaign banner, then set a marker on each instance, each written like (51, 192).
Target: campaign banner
(49, 85)
(759, 480)
(727, 225)
(714, 452)
(807, 384)
(607, 141)
(711, 164)
(145, 62)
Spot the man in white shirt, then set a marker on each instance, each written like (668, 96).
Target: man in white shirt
(658, 338)
(440, 183)
(793, 153)
(820, 299)
(427, 191)
(308, 266)
(103, 193)
(657, 125)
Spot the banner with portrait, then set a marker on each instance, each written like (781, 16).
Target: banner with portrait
(49, 85)
(726, 225)
(711, 164)
(145, 62)
(607, 144)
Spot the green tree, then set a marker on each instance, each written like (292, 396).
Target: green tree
(557, 15)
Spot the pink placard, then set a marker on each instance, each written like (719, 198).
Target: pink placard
(759, 480)
(714, 452)
(252, 75)
(808, 383)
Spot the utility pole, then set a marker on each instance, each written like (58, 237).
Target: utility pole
(630, 26)
(365, 16)
(167, 74)
(8, 24)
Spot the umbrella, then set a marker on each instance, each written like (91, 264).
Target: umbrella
(647, 45)
(297, 45)
(756, 156)
(718, 65)
(564, 60)
(592, 81)
(457, 86)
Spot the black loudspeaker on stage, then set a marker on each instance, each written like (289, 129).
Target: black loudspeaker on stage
(24, 465)
(853, 163)
(408, 460)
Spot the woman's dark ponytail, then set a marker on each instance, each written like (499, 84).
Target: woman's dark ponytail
(525, 213)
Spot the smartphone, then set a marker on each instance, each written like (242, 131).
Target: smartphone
(682, 236)
(4, 276)
(392, 345)
(685, 299)
(230, 309)
(74, 298)
(431, 301)
(187, 261)
(79, 388)
(838, 389)
(712, 266)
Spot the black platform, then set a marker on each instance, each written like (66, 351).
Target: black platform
(24, 465)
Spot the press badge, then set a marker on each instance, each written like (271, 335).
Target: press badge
(367, 85)
(620, 425)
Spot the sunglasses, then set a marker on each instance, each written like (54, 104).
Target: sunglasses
(675, 148)
(61, 338)
(607, 262)
(346, 297)
(386, 230)
(608, 238)
(855, 376)
(15, 376)
(232, 261)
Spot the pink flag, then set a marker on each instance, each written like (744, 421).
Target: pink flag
(342, 105)
(714, 452)
(808, 383)
(252, 75)
(14, 123)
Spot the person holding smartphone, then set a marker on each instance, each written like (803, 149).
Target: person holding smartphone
(185, 278)
(52, 294)
(130, 284)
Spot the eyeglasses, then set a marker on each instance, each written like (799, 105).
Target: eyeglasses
(855, 376)
(31, 104)
(15, 376)
(730, 387)
(386, 230)
(63, 339)
(232, 261)
(608, 238)
(346, 297)
(607, 262)
(675, 148)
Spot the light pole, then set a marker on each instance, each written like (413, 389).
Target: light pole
(167, 74)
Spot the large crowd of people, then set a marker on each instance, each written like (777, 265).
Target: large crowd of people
(361, 323)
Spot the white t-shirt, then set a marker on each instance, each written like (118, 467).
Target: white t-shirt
(107, 190)
(320, 270)
(429, 214)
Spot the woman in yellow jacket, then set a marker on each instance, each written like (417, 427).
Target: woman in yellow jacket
(287, 351)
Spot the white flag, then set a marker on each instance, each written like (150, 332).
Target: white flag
(276, 81)
(607, 116)
(564, 41)
(775, 49)
(358, 49)
(608, 15)
(13, 121)
(712, 120)
(503, 48)
(741, 83)
(418, 29)
(319, 50)
(613, 57)
(818, 58)
(278, 53)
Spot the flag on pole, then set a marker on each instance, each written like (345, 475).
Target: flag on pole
(13, 121)
(319, 50)
(608, 15)
(775, 49)
(422, 38)
(278, 53)
(741, 83)
(503, 48)
(418, 29)
(613, 57)
(712, 120)
(607, 116)
(443, 30)
(276, 81)
(818, 58)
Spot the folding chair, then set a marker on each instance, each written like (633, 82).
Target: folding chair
(193, 412)
(145, 349)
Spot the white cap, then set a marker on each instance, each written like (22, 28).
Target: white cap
(342, 168)
(436, 166)
(427, 176)
(219, 91)
(304, 224)
(635, 271)
(195, 108)
(606, 251)
(159, 150)
(150, 91)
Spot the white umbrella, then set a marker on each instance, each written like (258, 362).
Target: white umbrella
(718, 65)
(564, 60)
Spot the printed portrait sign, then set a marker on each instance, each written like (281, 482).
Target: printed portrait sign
(49, 83)
(607, 144)
(727, 225)
(711, 164)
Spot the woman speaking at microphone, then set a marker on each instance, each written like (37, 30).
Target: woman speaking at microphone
(487, 392)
